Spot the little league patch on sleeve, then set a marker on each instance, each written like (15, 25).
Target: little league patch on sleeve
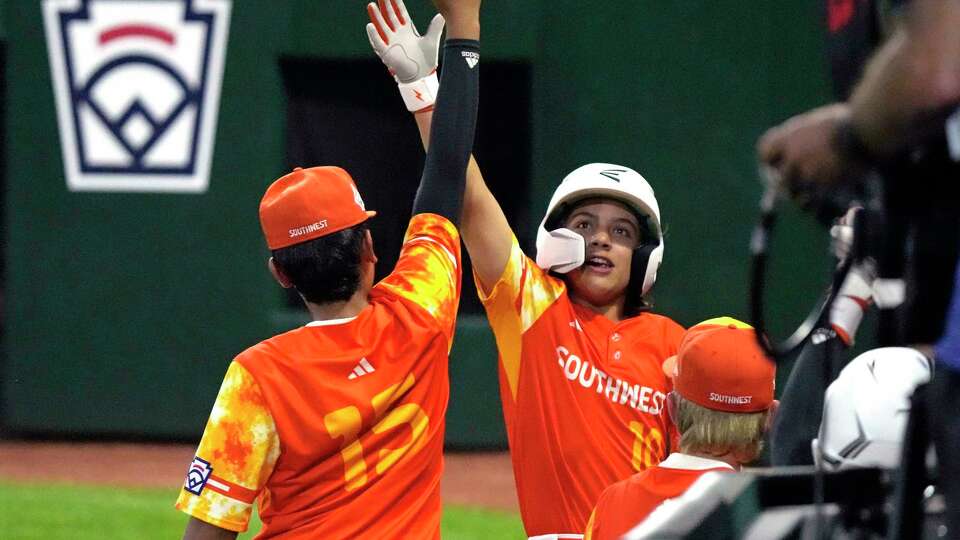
(197, 475)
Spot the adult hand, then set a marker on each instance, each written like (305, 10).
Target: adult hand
(804, 152)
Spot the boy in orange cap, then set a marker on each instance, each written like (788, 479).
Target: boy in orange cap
(722, 404)
(335, 429)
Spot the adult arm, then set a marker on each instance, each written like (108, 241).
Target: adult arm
(909, 83)
(915, 76)
(201, 530)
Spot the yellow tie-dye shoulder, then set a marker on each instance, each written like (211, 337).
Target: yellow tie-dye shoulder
(241, 444)
(428, 270)
(523, 293)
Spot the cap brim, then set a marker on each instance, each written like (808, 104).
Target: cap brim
(670, 367)
(371, 213)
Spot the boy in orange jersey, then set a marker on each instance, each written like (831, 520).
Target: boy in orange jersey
(722, 404)
(336, 428)
(581, 383)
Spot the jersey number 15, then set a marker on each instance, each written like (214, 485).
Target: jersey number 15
(347, 422)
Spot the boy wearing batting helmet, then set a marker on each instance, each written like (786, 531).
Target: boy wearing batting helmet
(581, 384)
(336, 428)
(722, 404)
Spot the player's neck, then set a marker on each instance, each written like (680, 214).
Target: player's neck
(728, 458)
(614, 311)
(340, 310)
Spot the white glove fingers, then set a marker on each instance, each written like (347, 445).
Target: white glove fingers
(842, 236)
(401, 10)
(836, 231)
(851, 214)
(377, 19)
(376, 41)
(410, 58)
(388, 7)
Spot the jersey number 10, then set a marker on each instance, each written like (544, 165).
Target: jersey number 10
(648, 447)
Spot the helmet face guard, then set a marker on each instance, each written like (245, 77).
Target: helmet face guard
(562, 250)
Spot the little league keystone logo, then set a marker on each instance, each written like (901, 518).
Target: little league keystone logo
(197, 475)
(137, 86)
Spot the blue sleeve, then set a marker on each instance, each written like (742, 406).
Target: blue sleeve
(948, 348)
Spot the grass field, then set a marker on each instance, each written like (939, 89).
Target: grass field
(42, 511)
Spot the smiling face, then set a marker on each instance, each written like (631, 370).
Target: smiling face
(610, 232)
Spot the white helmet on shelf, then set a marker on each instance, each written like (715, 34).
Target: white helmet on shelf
(562, 250)
(865, 410)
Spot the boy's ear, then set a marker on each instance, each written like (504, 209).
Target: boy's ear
(673, 407)
(771, 415)
(278, 274)
(368, 254)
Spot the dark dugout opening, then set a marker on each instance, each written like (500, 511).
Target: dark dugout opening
(348, 113)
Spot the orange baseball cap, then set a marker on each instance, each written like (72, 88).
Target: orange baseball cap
(308, 204)
(720, 366)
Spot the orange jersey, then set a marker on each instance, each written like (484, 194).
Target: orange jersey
(625, 504)
(336, 428)
(583, 397)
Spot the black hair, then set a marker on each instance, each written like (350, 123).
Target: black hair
(635, 303)
(325, 269)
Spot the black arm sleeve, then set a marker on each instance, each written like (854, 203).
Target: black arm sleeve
(801, 404)
(451, 133)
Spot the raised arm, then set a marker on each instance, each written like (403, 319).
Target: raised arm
(485, 229)
(442, 184)
(412, 59)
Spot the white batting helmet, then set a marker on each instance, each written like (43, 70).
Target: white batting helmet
(865, 410)
(562, 250)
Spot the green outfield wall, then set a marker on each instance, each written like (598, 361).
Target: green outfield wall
(122, 310)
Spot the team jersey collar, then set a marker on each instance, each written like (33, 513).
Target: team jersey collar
(592, 318)
(677, 460)
(330, 322)
(599, 322)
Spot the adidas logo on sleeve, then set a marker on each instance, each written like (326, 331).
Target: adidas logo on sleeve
(471, 57)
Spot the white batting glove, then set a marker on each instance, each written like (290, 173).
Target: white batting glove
(410, 57)
(856, 293)
(853, 300)
(841, 234)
